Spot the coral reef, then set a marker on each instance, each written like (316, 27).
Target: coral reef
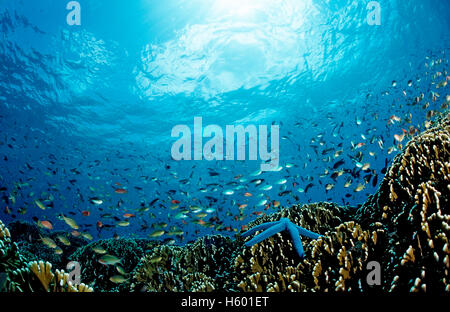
(33, 276)
(97, 275)
(413, 205)
(404, 227)
(58, 282)
(13, 265)
(201, 266)
(28, 239)
(336, 261)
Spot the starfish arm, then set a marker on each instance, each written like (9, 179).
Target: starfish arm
(305, 232)
(295, 234)
(266, 234)
(259, 228)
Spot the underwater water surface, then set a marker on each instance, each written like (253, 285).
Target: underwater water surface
(87, 111)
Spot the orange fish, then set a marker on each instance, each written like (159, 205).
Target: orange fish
(128, 215)
(276, 203)
(85, 213)
(75, 233)
(120, 191)
(118, 184)
(47, 225)
(99, 224)
(242, 206)
(174, 201)
(359, 145)
(247, 194)
(7, 210)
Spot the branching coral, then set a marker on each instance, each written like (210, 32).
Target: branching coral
(413, 205)
(404, 226)
(58, 282)
(43, 272)
(339, 260)
(339, 255)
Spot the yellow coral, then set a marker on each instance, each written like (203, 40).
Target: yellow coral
(55, 283)
(4, 232)
(43, 272)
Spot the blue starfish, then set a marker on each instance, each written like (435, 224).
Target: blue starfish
(276, 227)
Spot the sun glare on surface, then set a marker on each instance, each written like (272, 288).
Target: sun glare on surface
(240, 8)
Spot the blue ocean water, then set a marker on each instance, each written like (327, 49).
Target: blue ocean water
(88, 109)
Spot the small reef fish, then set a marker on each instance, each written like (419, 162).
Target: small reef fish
(46, 224)
(87, 236)
(121, 270)
(99, 250)
(70, 222)
(109, 260)
(96, 201)
(123, 223)
(40, 204)
(47, 241)
(118, 279)
(157, 233)
(63, 240)
(360, 187)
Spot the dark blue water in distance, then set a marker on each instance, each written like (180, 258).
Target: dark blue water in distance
(89, 109)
